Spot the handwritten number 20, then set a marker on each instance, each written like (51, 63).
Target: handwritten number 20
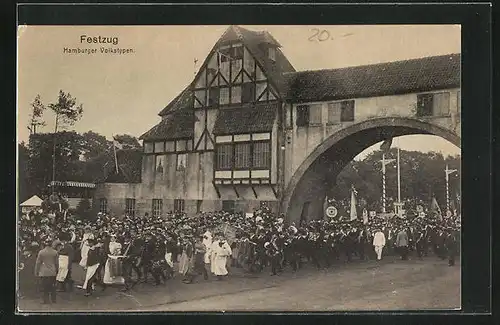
(319, 35)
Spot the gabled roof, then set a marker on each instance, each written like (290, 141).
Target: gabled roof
(416, 75)
(33, 201)
(178, 124)
(246, 119)
(183, 101)
(252, 40)
(273, 70)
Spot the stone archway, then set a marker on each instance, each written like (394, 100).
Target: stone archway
(308, 181)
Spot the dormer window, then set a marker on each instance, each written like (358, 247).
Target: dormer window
(272, 54)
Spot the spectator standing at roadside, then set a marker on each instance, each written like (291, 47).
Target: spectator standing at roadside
(46, 267)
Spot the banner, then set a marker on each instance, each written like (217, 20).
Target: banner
(354, 213)
(228, 231)
(365, 216)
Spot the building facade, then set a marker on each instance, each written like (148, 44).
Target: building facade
(235, 138)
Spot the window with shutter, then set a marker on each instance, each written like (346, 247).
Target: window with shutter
(302, 115)
(347, 113)
(315, 116)
(441, 104)
(334, 110)
(424, 104)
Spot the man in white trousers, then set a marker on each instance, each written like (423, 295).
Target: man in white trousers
(379, 243)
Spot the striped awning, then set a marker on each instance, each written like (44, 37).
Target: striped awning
(72, 184)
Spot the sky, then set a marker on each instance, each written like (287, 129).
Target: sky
(123, 94)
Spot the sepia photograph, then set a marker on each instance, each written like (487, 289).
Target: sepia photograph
(241, 168)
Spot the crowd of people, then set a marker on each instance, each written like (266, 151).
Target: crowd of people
(127, 250)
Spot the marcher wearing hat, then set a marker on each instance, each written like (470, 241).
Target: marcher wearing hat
(93, 263)
(46, 267)
(66, 257)
(451, 246)
(186, 260)
(199, 261)
(402, 243)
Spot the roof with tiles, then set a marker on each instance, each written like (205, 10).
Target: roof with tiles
(429, 73)
(246, 119)
(438, 72)
(176, 125)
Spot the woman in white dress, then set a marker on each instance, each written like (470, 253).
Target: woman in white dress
(222, 252)
(84, 247)
(113, 267)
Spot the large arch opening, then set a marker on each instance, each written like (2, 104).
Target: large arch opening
(308, 186)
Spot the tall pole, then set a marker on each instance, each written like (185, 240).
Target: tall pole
(447, 173)
(383, 183)
(116, 158)
(54, 155)
(384, 198)
(399, 181)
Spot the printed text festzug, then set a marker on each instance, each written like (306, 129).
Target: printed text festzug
(98, 40)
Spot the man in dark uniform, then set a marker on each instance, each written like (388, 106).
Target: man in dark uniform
(451, 246)
(273, 256)
(420, 241)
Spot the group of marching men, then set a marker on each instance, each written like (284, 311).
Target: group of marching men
(128, 258)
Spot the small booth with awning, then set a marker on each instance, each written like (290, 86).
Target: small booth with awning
(33, 203)
(73, 192)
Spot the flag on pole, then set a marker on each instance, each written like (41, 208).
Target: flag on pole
(435, 208)
(354, 213)
(325, 204)
(118, 145)
(453, 209)
(386, 145)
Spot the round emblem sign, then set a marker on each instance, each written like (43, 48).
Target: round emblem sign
(331, 211)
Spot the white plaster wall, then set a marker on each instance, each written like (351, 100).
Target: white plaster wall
(301, 141)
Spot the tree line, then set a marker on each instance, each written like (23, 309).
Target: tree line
(67, 155)
(422, 178)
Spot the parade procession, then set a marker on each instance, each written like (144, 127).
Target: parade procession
(123, 251)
